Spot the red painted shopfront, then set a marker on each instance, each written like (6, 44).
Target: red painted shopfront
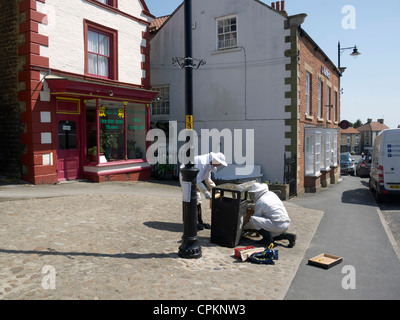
(99, 130)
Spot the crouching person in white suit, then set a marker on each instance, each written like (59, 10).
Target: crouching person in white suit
(270, 218)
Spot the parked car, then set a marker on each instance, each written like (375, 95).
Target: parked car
(347, 164)
(385, 167)
(363, 167)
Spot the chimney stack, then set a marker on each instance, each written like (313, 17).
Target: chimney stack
(369, 120)
(380, 121)
(278, 6)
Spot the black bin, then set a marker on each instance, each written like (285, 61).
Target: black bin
(229, 203)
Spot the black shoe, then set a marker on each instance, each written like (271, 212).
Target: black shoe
(287, 236)
(267, 238)
(292, 239)
(200, 226)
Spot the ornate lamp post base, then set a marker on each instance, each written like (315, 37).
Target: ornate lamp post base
(190, 248)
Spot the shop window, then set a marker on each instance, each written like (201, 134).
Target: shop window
(320, 150)
(309, 155)
(136, 131)
(112, 130)
(122, 131)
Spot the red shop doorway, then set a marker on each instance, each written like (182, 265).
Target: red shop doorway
(68, 147)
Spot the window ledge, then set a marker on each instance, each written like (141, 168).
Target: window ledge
(116, 163)
(115, 167)
(320, 119)
(309, 117)
(315, 176)
(228, 50)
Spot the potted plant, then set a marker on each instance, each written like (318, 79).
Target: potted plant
(281, 189)
(138, 153)
(110, 144)
(131, 149)
(92, 153)
(165, 170)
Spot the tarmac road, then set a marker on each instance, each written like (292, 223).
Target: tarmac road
(352, 228)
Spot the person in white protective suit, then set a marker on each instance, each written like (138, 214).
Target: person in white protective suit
(270, 218)
(206, 164)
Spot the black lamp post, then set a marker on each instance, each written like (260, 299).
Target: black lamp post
(354, 54)
(190, 248)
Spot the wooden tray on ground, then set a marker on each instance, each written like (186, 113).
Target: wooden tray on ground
(325, 260)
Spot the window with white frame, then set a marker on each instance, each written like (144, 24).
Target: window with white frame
(327, 150)
(317, 158)
(161, 105)
(323, 152)
(334, 144)
(227, 32)
(308, 93)
(320, 150)
(309, 155)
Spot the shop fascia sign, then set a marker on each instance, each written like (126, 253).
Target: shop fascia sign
(325, 72)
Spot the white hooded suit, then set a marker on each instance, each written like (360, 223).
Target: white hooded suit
(270, 214)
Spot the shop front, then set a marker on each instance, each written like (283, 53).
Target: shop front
(100, 130)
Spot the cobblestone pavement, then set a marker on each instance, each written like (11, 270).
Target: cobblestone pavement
(115, 240)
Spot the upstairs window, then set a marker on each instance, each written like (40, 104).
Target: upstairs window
(98, 54)
(227, 32)
(112, 3)
(308, 94)
(161, 103)
(101, 51)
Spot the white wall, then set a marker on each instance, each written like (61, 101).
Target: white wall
(65, 30)
(237, 89)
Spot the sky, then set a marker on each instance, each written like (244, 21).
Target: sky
(371, 83)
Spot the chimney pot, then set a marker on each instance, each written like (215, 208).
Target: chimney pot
(282, 5)
(273, 5)
(277, 6)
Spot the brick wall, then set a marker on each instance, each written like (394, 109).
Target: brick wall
(311, 60)
(9, 105)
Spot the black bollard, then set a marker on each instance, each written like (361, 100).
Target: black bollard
(190, 248)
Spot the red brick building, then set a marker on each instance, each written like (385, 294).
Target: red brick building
(319, 116)
(75, 83)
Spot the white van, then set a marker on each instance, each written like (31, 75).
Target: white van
(385, 165)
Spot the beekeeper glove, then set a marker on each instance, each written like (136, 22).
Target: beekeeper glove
(210, 183)
(201, 187)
